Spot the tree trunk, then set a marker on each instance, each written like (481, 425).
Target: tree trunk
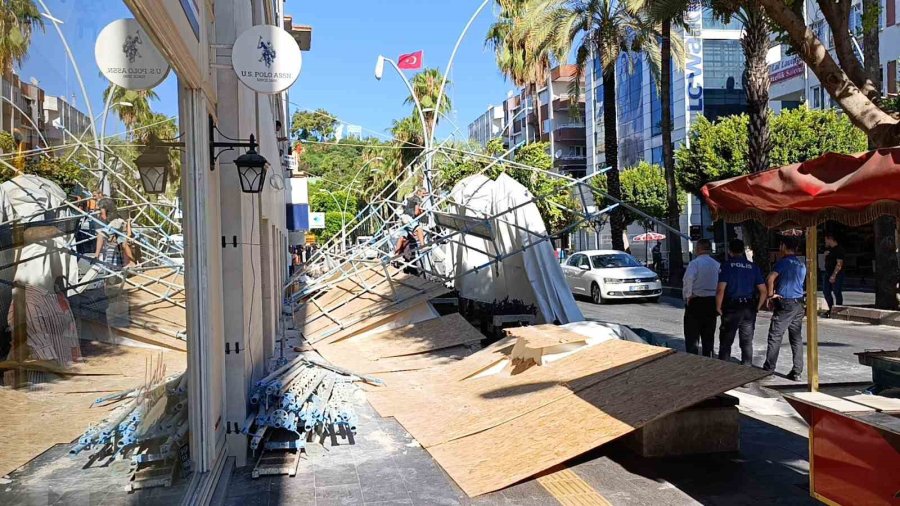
(611, 151)
(887, 270)
(673, 209)
(755, 43)
(881, 127)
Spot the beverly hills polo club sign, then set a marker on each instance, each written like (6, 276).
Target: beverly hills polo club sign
(127, 56)
(266, 59)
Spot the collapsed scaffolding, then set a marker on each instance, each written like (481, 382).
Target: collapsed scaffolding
(484, 414)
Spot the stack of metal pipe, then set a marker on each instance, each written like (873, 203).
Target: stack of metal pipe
(156, 412)
(300, 398)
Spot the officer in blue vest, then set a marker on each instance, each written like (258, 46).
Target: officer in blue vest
(740, 294)
(785, 288)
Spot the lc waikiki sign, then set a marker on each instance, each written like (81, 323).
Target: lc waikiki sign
(127, 56)
(266, 59)
(693, 69)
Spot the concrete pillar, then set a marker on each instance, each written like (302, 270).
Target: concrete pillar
(241, 269)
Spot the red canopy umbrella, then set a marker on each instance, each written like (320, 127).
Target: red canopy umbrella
(852, 189)
(649, 237)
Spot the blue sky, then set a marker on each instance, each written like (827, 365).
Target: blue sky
(47, 61)
(347, 38)
(337, 73)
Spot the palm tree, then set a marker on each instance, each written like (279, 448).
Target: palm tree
(427, 85)
(755, 44)
(131, 106)
(673, 11)
(611, 31)
(17, 20)
(524, 63)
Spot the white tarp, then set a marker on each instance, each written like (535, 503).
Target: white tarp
(473, 196)
(530, 273)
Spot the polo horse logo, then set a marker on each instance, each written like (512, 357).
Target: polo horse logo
(268, 52)
(130, 47)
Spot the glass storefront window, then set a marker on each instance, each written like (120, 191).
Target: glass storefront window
(93, 323)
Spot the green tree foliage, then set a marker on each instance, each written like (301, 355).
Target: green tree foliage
(131, 106)
(333, 225)
(324, 198)
(719, 150)
(318, 125)
(427, 86)
(495, 147)
(644, 187)
(17, 20)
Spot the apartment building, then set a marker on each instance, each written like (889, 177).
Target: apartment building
(558, 120)
(34, 117)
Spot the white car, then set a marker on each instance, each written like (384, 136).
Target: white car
(610, 274)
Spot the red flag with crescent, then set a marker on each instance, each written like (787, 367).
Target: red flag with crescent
(411, 61)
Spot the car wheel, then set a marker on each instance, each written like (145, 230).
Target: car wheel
(595, 294)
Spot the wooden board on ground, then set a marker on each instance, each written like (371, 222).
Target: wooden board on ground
(409, 348)
(480, 403)
(363, 301)
(574, 424)
(61, 410)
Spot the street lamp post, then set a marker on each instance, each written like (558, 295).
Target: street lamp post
(379, 71)
(429, 134)
(104, 181)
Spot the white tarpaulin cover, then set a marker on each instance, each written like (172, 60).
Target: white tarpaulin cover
(531, 275)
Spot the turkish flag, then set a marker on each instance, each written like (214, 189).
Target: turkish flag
(411, 61)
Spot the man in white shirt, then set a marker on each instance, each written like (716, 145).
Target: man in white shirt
(699, 290)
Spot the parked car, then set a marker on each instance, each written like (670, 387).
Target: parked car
(610, 274)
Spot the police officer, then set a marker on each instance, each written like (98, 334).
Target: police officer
(741, 292)
(785, 289)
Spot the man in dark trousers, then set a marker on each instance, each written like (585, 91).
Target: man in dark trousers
(740, 294)
(699, 290)
(833, 284)
(785, 288)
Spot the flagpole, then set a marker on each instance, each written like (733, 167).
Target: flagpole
(419, 109)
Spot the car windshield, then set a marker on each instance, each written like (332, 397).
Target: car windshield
(614, 260)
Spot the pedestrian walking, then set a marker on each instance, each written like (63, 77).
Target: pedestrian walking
(833, 284)
(699, 291)
(740, 295)
(656, 254)
(784, 288)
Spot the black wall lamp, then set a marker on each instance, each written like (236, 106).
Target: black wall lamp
(153, 164)
(251, 165)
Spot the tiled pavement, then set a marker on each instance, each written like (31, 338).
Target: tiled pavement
(386, 466)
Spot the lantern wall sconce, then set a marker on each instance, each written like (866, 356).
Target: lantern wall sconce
(153, 165)
(251, 165)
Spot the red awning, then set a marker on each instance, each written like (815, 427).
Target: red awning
(852, 189)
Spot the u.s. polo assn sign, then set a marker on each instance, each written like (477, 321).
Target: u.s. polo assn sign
(127, 56)
(266, 59)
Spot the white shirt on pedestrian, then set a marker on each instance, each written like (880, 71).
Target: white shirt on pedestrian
(701, 277)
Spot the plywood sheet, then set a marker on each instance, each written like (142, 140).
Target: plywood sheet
(574, 424)
(361, 302)
(411, 347)
(443, 411)
(542, 336)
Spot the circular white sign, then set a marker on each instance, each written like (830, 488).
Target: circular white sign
(127, 56)
(266, 59)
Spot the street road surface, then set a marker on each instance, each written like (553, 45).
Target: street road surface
(838, 339)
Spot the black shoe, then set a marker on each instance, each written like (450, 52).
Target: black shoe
(827, 314)
(793, 376)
